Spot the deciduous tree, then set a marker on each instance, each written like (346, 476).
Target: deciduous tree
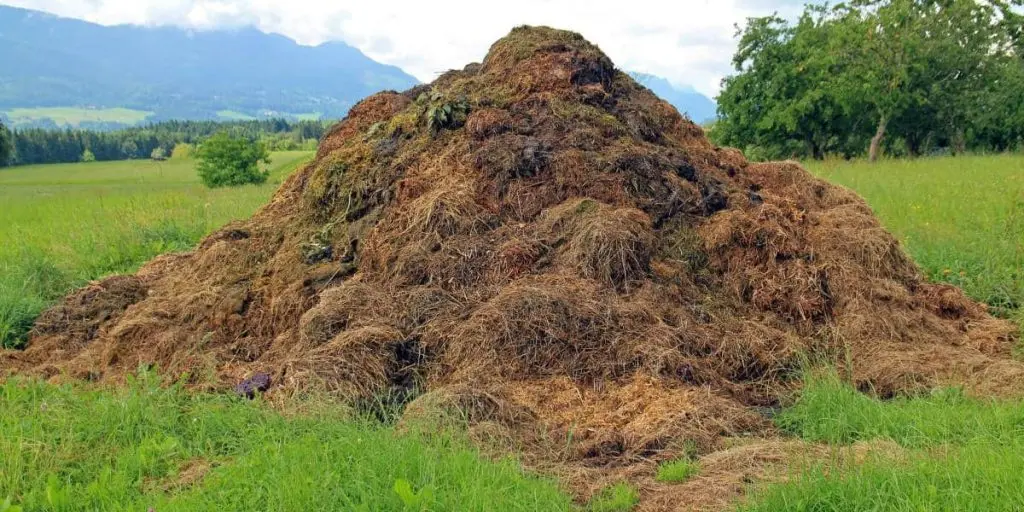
(226, 160)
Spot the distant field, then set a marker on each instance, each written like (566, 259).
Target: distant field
(67, 224)
(309, 116)
(961, 218)
(73, 117)
(231, 115)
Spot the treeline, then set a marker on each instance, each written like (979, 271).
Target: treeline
(867, 77)
(41, 146)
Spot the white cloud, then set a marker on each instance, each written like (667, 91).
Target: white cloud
(690, 42)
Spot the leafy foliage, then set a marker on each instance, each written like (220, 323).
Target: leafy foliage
(446, 115)
(6, 145)
(906, 76)
(225, 160)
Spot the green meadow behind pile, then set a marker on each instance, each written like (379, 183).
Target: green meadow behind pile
(543, 248)
(65, 225)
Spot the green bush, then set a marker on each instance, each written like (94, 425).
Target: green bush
(226, 161)
(182, 151)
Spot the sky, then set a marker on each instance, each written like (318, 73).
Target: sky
(689, 42)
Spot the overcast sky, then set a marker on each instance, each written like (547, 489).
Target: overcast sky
(690, 42)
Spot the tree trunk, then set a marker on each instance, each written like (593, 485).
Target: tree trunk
(959, 142)
(876, 141)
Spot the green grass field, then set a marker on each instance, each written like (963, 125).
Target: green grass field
(962, 219)
(67, 224)
(142, 447)
(74, 116)
(961, 454)
(83, 447)
(232, 115)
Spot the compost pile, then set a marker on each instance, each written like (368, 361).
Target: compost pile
(544, 245)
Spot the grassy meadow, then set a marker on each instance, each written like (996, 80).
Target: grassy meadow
(83, 447)
(953, 453)
(962, 218)
(66, 224)
(142, 447)
(74, 116)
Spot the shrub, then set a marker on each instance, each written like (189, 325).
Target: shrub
(225, 160)
(88, 156)
(158, 154)
(182, 151)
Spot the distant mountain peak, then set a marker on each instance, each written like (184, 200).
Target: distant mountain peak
(50, 61)
(686, 99)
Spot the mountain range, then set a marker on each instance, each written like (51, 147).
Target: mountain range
(60, 71)
(700, 108)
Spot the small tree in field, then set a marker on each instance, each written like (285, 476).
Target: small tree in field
(182, 151)
(226, 161)
(88, 156)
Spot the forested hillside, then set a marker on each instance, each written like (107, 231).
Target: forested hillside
(41, 146)
(175, 73)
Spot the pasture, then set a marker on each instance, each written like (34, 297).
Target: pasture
(64, 225)
(74, 116)
(961, 219)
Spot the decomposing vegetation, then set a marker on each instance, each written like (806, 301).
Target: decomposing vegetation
(543, 247)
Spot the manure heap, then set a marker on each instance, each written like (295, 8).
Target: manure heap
(544, 245)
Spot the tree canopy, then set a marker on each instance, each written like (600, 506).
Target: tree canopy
(904, 76)
(226, 160)
(6, 145)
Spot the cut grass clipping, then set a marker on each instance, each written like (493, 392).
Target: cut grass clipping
(962, 454)
(79, 447)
